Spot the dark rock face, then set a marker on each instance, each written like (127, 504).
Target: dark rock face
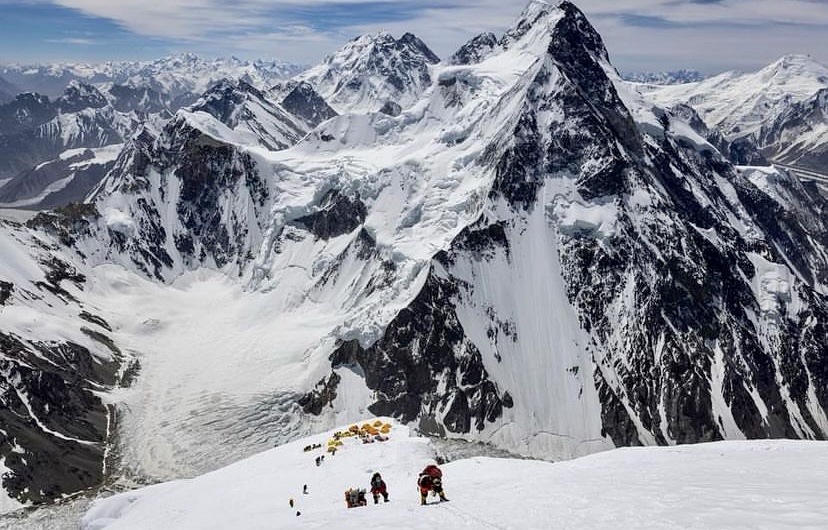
(475, 50)
(32, 182)
(593, 107)
(217, 182)
(142, 100)
(741, 151)
(402, 60)
(80, 96)
(783, 139)
(6, 289)
(205, 172)
(223, 98)
(576, 48)
(338, 214)
(424, 366)
(54, 428)
(411, 42)
(239, 104)
(391, 109)
(304, 103)
(323, 395)
(53, 442)
(25, 111)
(67, 223)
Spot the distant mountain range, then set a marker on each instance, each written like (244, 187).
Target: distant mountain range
(47, 112)
(175, 75)
(673, 77)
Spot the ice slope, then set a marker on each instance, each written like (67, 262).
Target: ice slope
(741, 103)
(726, 485)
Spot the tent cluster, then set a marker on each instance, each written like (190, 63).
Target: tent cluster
(367, 432)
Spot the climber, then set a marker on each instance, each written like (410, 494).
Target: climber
(378, 488)
(431, 479)
(355, 497)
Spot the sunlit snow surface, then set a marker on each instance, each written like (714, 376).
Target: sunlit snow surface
(726, 485)
(739, 103)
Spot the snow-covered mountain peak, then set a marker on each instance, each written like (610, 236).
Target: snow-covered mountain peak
(373, 69)
(475, 50)
(78, 96)
(740, 104)
(796, 64)
(562, 21)
(536, 13)
(794, 72)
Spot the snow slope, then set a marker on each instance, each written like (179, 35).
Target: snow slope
(725, 485)
(741, 103)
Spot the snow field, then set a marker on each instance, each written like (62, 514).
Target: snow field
(220, 368)
(725, 485)
(740, 104)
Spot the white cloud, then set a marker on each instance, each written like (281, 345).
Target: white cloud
(78, 41)
(658, 33)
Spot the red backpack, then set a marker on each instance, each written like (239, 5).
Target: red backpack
(432, 471)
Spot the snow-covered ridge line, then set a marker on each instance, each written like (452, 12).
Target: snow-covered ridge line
(174, 74)
(648, 488)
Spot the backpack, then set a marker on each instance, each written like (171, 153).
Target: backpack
(432, 471)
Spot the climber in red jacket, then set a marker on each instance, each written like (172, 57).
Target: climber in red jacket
(431, 479)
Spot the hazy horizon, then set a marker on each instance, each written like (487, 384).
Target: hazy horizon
(710, 36)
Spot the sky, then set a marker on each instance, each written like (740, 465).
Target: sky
(641, 35)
